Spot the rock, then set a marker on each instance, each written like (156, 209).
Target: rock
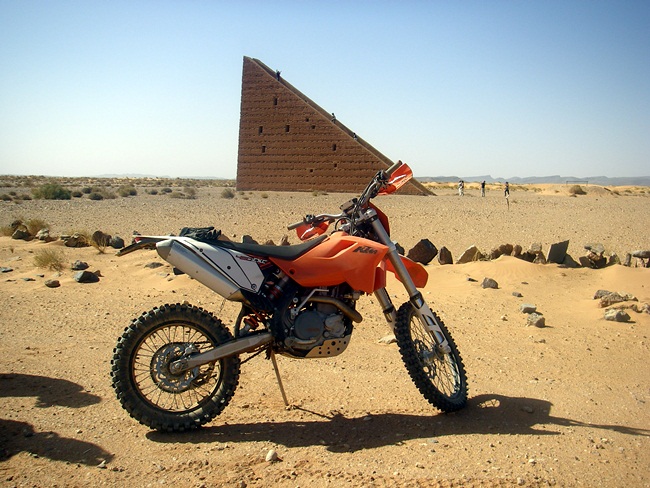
(471, 280)
(389, 339)
(489, 283)
(516, 250)
(471, 254)
(539, 258)
(598, 260)
(153, 265)
(502, 250)
(272, 456)
(86, 277)
(598, 249)
(616, 315)
(613, 259)
(601, 294)
(444, 256)
(557, 252)
(76, 240)
(628, 260)
(52, 283)
(535, 248)
(5, 269)
(79, 265)
(536, 319)
(517, 294)
(527, 256)
(423, 252)
(611, 298)
(21, 234)
(246, 239)
(527, 308)
(641, 254)
(116, 242)
(641, 308)
(43, 235)
(569, 262)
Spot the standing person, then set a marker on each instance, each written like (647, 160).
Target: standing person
(506, 192)
(461, 188)
(483, 188)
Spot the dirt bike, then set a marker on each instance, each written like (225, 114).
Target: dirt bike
(176, 367)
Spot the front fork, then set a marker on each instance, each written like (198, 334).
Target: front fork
(420, 307)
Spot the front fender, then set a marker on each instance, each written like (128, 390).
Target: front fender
(417, 272)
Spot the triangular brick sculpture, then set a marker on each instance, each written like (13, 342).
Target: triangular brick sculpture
(288, 143)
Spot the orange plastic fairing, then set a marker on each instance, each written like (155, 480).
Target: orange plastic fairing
(418, 274)
(340, 258)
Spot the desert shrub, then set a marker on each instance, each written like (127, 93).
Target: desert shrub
(25, 196)
(50, 259)
(127, 191)
(96, 196)
(577, 190)
(153, 191)
(190, 192)
(34, 225)
(264, 195)
(77, 194)
(51, 191)
(86, 190)
(6, 198)
(227, 193)
(176, 194)
(165, 190)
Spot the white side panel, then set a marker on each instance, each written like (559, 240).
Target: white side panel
(239, 267)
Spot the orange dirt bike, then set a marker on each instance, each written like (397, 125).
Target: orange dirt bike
(176, 367)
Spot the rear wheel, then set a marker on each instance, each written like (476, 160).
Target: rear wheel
(144, 382)
(439, 376)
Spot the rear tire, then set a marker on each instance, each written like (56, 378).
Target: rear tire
(440, 377)
(150, 392)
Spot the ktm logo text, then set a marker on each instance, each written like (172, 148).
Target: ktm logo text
(365, 250)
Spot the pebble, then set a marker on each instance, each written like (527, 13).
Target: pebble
(272, 456)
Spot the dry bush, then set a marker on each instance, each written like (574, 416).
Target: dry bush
(34, 225)
(50, 259)
(227, 193)
(577, 190)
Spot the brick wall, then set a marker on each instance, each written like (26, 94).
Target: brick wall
(287, 142)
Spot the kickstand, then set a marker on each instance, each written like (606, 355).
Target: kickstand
(277, 376)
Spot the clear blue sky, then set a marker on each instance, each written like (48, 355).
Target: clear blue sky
(506, 88)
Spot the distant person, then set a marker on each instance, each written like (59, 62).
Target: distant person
(506, 191)
(354, 136)
(277, 74)
(461, 188)
(333, 117)
(483, 188)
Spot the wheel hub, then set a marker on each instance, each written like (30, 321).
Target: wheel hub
(161, 372)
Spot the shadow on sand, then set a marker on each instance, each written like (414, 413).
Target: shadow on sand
(17, 436)
(485, 414)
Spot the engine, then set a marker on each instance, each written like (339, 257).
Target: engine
(319, 326)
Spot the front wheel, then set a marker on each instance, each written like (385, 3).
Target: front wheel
(439, 376)
(147, 387)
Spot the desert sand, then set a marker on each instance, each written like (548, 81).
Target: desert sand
(563, 405)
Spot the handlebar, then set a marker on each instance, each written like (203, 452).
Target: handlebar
(315, 219)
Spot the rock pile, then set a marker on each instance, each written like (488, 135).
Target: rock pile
(615, 312)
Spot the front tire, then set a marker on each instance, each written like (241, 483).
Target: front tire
(145, 385)
(440, 377)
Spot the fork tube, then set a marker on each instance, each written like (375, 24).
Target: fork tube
(421, 307)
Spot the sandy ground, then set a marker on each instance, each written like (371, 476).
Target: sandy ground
(564, 405)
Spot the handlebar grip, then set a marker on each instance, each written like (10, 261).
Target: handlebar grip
(393, 168)
(294, 225)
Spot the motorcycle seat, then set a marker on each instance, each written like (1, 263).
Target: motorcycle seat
(288, 253)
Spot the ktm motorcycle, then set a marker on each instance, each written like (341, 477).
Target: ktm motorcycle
(176, 367)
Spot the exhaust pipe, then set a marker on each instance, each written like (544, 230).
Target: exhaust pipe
(233, 348)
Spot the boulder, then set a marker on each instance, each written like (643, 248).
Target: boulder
(557, 252)
(86, 277)
(516, 250)
(423, 252)
(43, 235)
(502, 250)
(536, 320)
(616, 315)
(21, 234)
(444, 256)
(79, 265)
(489, 283)
(52, 283)
(527, 308)
(471, 254)
(116, 242)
